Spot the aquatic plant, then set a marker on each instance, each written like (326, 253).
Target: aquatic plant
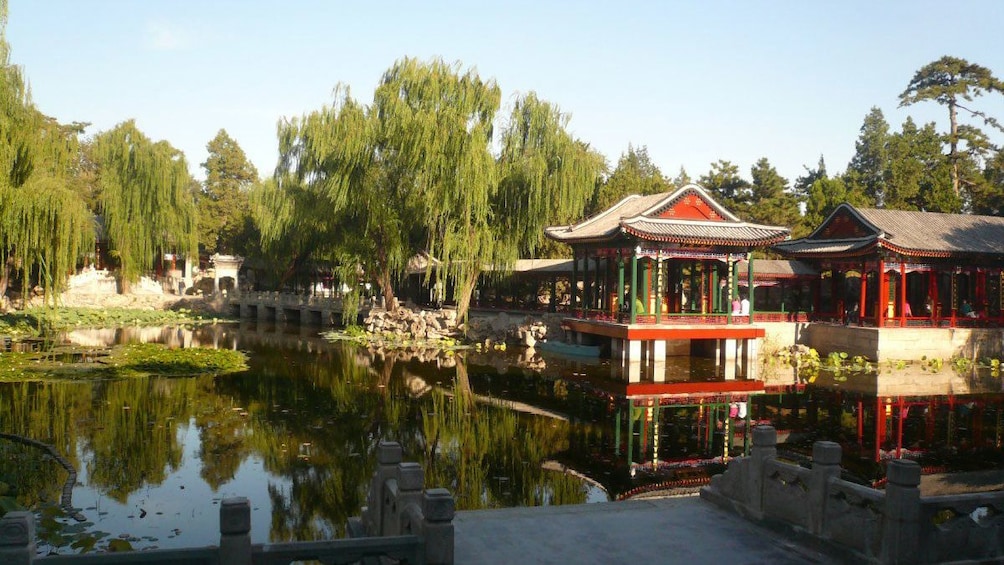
(119, 361)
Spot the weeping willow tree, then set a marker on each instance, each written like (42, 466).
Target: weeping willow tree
(329, 199)
(145, 199)
(546, 177)
(44, 226)
(436, 122)
(414, 172)
(401, 176)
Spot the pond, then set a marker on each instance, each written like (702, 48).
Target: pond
(296, 434)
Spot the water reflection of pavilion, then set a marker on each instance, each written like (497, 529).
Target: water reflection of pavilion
(675, 434)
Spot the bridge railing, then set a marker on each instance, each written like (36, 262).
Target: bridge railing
(403, 522)
(892, 526)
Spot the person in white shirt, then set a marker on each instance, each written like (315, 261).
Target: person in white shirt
(744, 307)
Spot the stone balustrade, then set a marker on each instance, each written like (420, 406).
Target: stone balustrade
(402, 522)
(897, 525)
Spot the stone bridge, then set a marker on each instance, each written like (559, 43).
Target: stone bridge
(290, 308)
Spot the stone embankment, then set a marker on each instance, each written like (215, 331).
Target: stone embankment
(491, 328)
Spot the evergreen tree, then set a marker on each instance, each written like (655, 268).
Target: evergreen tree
(951, 81)
(727, 187)
(987, 195)
(771, 203)
(682, 178)
(825, 194)
(917, 175)
(223, 198)
(866, 171)
(635, 174)
(802, 183)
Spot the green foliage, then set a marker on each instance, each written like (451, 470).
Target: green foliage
(146, 200)
(224, 222)
(371, 186)
(635, 174)
(771, 201)
(727, 187)
(36, 321)
(824, 197)
(157, 359)
(950, 81)
(962, 365)
(44, 226)
(866, 171)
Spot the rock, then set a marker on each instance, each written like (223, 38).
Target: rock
(528, 340)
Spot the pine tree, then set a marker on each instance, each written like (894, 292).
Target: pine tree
(951, 82)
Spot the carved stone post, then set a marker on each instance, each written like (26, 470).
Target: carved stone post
(235, 531)
(401, 491)
(438, 508)
(825, 465)
(17, 538)
(901, 521)
(764, 449)
(389, 454)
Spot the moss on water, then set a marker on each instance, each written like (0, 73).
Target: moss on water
(117, 362)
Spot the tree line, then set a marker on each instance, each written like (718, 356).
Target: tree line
(915, 168)
(433, 165)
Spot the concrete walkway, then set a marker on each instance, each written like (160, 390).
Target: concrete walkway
(668, 530)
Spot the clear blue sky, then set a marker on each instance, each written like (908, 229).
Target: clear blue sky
(694, 82)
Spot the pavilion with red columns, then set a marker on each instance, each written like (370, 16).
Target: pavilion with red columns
(895, 268)
(662, 271)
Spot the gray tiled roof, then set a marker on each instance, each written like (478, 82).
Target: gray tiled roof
(722, 232)
(778, 268)
(913, 232)
(608, 222)
(804, 245)
(637, 216)
(932, 231)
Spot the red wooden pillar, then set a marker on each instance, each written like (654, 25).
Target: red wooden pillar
(902, 294)
(981, 293)
(953, 296)
(932, 295)
(883, 294)
(863, 300)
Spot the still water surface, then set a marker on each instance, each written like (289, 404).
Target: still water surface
(296, 433)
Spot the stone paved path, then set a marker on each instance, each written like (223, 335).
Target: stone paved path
(669, 530)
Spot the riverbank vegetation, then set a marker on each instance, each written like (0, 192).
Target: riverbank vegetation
(45, 321)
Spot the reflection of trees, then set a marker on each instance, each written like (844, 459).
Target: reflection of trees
(315, 420)
(45, 412)
(223, 432)
(490, 457)
(136, 439)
